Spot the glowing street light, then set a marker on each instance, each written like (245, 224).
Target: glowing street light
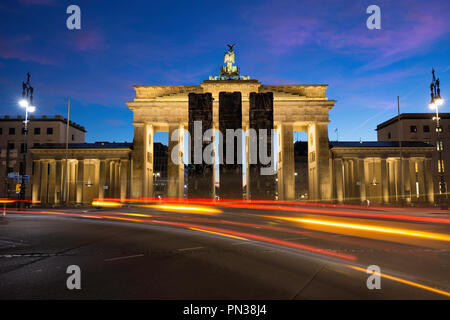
(436, 101)
(27, 103)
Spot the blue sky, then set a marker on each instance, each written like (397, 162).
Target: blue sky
(126, 43)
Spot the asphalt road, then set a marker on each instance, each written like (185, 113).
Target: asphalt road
(184, 251)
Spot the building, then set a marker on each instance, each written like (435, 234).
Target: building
(41, 130)
(160, 173)
(301, 169)
(421, 127)
(375, 171)
(317, 170)
(95, 170)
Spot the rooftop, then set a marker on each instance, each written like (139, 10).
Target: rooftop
(412, 116)
(46, 119)
(95, 145)
(377, 144)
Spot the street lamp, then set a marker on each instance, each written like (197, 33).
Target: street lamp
(436, 101)
(27, 103)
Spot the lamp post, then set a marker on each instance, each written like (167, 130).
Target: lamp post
(436, 101)
(27, 103)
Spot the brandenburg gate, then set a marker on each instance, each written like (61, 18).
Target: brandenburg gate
(232, 100)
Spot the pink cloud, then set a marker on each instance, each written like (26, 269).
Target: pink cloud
(19, 48)
(88, 41)
(406, 29)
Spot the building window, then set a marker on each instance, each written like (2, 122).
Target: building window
(413, 129)
(389, 135)
(1, 130)
(10, 146)
(49, 130)
(426, 128)
(73, 137)
(36, 144)
(37, 130)
(12, 130)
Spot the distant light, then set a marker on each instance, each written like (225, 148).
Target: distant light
(31, 109)
(23, 103)
(432, 105)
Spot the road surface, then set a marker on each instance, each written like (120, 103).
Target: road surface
(228, 250)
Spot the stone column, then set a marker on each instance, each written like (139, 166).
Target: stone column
(101, 180)
(44, 182)
(73, 169)
(142, 159)
(59, 182)
(123, 179)
(175, 171)
(384, 181)
(406, 181)
(287, 161)
(391, 167)
(80, 181)
(36, 181)
(116, 179)
(413, 179)
(421, 176)
(338, 169)
(319, 148)
(429, 184)
(361, 179)
(52, 182)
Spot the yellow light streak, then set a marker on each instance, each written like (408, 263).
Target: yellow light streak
(185, 208)
(218, 233)
(411, 283)
(364, 227)
(106, 204)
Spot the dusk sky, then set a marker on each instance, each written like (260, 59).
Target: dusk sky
(126, 43)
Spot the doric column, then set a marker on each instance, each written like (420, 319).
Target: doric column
(391, 166)
(421, 176)
(319, 151)
(123, 179)
(175, 171)
(36, 181)
(384, 181)
(359, 173)
(52, 182)
(73, 169)
(59, 182)
(339, 179)
(116, 179)
(286, 160)
(429, 184)
(102, 179)
(406, 181)
(142, 157)
(44, 182)
(80, 181)
(413, 179)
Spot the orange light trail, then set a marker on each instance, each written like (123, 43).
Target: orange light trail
(365, 227)
(218, 233)
(277, 206)
(184, 208)
(411, 283)
(112, 204)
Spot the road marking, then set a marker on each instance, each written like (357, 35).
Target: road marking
(187, 249)
(125, 257)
